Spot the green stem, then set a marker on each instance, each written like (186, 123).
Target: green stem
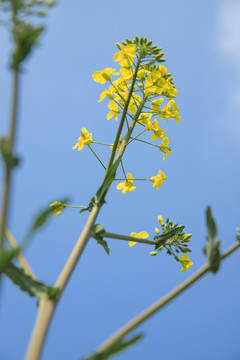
(146, 142)
(7, 182)
(123, 169)
(135, 138)
(100, 143)
(75, 206)
(151, 310)
(119, 131)
(96, 156)
(131, 179)
(128, 238)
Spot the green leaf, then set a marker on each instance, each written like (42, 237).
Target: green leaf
(116, 348)
(107, 181)
(9, 159)
(6, 257)
(43, 217)
(161, 239)
(98, 233)
(90, 205)
(25, 37)
(212, 247)
(27, 284)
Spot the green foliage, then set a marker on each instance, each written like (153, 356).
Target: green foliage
(27, 284)
(6, 257)
(116, 348)
(25, 37)
(212, 247)
(173, 239)
(90, 206)
(110, 175)
(9, 159)
(98, 233)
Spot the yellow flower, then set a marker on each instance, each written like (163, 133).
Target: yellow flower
(165, 148)
(162, 69)
(170, 111)
(127, 185)
(157, 231)
(186, 263)
(160, 220)
(59, 207)
(157, 132)
(156, 105)
(141, 235)
(145, 118)
(114, 110)
(141, 73)
(103, 76)
(108, 93)
(126, 72)
(84, 139)
(158, 179)
(125, 55)
(155, 84)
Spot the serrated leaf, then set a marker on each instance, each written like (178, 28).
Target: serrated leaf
(9, 159)
(25, 37)
(160, 239)
(98, 233)
(104, 244)
(90, 206)
(27, 284)
(107, 181)
(212, 247)
(116, 348)
(6, 257)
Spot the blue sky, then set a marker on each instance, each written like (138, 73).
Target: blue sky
(200, 40)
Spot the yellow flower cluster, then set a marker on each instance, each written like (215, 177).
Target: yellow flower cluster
(185, 260)
(141, 87)
(59, 207)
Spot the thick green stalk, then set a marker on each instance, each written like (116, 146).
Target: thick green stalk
(47, 306)
(7, 181)
(151, 310)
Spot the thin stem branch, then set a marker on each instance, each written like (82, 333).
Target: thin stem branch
(21, 259)
(123, 169)
(7, 182)
(132, 179)
(134, 138)
(96, 156)
(128, 238)
(146, 142)
(151, 310)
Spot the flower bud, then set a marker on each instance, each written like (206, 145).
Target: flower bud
(153, 253)
(160, 220)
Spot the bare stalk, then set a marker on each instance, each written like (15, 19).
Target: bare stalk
(47, 306)
(7, 181)
(129, 238)
(21, 259)
(151, 310)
